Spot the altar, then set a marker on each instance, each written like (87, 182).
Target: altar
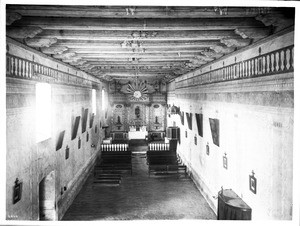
(137, 132)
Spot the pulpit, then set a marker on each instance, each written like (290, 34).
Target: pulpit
(232, 207)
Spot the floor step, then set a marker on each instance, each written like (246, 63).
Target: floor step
(108, 181)
(108, 176)
(104, 185)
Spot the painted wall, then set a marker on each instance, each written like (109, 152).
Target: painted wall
(256, 118)
(29, 161)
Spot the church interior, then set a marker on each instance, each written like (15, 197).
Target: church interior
(118, 112)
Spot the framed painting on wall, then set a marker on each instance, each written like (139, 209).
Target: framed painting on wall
(252, 183)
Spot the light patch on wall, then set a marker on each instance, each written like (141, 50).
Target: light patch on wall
(94, 106)
(43, 111)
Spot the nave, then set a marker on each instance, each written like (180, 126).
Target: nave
(140, 197)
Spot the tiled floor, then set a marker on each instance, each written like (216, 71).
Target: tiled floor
(139, 197)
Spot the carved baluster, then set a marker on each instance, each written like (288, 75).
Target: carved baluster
(14, 66)
(238, 70)
(248, 68)
(227, 72)
(292, 57)
(288, 59)
(30, 69)
(23, 68)
(18, 67)
(11, 70)
(8, 65)
(272, 62)
(263, 64)
(277, 61)
(282, 60)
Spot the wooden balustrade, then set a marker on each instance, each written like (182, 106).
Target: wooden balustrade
(114, 147)
(275, 62)
(17, 67)
(158, 146)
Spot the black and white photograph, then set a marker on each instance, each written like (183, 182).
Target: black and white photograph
(127, 112)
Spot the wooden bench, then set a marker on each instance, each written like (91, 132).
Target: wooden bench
(166, 169)
(164, 162)
(114, 161)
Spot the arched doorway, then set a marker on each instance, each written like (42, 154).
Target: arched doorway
(47, 198)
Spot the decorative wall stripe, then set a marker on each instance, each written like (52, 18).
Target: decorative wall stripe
(275, 62)
(17, 67)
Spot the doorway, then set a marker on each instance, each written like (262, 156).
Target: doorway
(47, 198)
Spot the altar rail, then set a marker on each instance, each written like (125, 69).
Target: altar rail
(114, 147)
(275, 62)
(17, 67)
(158, 147)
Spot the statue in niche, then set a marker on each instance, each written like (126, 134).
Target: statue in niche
(118, 120)
(137, 112)
(156, 120)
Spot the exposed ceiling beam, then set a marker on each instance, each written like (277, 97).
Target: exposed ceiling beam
(143, 44)
(136, 11)
(153, 24)
(145, 35)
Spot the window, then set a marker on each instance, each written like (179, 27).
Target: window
(94, 106)
(43, 111)
(103, 100)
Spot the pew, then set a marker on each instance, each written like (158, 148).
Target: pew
(164, 162)
(114, 162)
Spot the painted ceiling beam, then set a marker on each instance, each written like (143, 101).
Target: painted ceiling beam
(151, 24)
(145, 35)
(135, 55)
(136, 11)
(129, 60)
(144, 44)
(128, 51)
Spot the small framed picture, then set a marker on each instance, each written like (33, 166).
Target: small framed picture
(17, 193)
(225, 162)
(252, 183)
(67, 152)
(207, 149)
(79, 143)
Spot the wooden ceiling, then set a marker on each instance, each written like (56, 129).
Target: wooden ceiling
(153, 43)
